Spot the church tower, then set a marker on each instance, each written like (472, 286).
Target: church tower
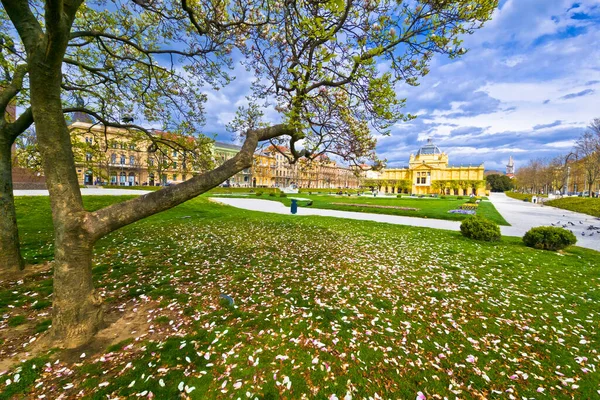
(510, 167)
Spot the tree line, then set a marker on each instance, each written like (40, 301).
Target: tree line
(572, 172)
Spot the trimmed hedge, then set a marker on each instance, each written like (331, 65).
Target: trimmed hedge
(479, 228)
(549, 238)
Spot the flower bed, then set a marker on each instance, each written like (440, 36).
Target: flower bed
(469, 206)
(465, 212)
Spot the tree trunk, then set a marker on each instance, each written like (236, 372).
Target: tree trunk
(77, 310)
(10, 253)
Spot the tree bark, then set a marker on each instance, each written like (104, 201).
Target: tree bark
(10, 252)
(76, 309)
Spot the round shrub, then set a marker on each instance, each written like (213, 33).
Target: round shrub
(272, 194)
(282, 195)
(443, 197)
(398, 196)
(479, 228)
(259, 193)
(549, 238)
(459, 198)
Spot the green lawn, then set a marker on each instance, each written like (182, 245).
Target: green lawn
(322, 307)
(427, 207)
(585, 205)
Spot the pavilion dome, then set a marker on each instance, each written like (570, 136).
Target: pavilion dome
(429, 149)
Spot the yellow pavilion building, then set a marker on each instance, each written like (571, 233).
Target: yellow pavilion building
(429, 173)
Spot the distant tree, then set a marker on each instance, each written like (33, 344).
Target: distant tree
(499, 183)
(587, 149)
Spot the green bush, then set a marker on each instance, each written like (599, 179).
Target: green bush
(272, 194)
(549, 238)
(399, 196)
(259, 193)
(459, 198)
(479, 228)
(472, 200)
(282, 195)
(443, 197)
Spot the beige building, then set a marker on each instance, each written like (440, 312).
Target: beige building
(115, 156)
(321, 173)
(429, 172)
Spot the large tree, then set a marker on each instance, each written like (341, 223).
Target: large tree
(587, 149)
(107, 74)
(317, 60)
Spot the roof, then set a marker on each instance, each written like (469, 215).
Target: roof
(466, 166)
(227, 146)
(429, 148)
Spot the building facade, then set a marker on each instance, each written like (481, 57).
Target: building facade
(114, 156)
(429, 173)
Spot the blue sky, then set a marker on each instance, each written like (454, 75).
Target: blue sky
(528, 87)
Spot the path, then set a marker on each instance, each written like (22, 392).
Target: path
(522, 216)
(86, 192)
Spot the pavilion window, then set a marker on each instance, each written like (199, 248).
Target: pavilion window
(122, 159)
(131, 160)
(113, 158)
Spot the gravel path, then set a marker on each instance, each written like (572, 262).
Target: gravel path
(86, 192)
(522, 216)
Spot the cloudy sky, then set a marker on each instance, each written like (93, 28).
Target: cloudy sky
(528, 87)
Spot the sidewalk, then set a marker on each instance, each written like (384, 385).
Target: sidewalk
(85, 192)
(522, 217)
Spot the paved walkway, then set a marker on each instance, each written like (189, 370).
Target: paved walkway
(522, 216)
(276, 207)
(86, 192)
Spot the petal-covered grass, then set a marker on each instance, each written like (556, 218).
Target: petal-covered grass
(406, 206)
(320, 307)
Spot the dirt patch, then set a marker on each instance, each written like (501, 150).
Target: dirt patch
(28, 271)
(132, 320)
(376, 206)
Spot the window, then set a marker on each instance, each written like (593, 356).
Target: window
(132, 146)
(122, 159)
(174, 177)
(174, 153)
(122, 145)
(88, 156)
(184, 178)
(113, 158)
(131, 160)
(174, 164)
(151, 162)
(114, 145)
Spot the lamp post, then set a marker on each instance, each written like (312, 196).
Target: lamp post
(571, 154)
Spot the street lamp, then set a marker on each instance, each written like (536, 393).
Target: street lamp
(566, 188)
